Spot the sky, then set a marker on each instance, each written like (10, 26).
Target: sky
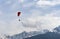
(36, 15)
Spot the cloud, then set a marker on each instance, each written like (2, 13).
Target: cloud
(34, 20)
(46, 3)
(54, 13)
(27, 5)
(30, 24)
(43, 22)
(8, 2)
(1, 12)
(2, 26)
(48, 21)
(21, 1)
(16, 26)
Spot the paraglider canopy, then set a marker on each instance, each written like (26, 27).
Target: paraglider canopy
(19, 13)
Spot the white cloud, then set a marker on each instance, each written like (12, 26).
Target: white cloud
(8, 2)
(2, 26)
(14, 27)
(45, 3)
(33, 22)
(21, 1)
(54, 13)
(27, 5)
(45, 22)
(35, 13)
(48, 21)
(1, 13)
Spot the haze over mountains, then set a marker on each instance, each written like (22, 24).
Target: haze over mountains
(48, 35)
(45, 34)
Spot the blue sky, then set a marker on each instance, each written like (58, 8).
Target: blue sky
(36, 15)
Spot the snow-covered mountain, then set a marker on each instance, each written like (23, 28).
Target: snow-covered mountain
(3, 36)
(48, 35)
(57, 29)
(31, 34)
(27, 34)
(23, 35)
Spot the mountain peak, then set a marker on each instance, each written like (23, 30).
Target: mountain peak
(57, 29)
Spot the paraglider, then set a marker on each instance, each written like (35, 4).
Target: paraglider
(18, 14)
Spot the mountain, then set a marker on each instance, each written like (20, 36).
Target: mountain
(57, 29)
(18, 36)
(25, 34)
(3, 36)
(45, 34)
(48, 35)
